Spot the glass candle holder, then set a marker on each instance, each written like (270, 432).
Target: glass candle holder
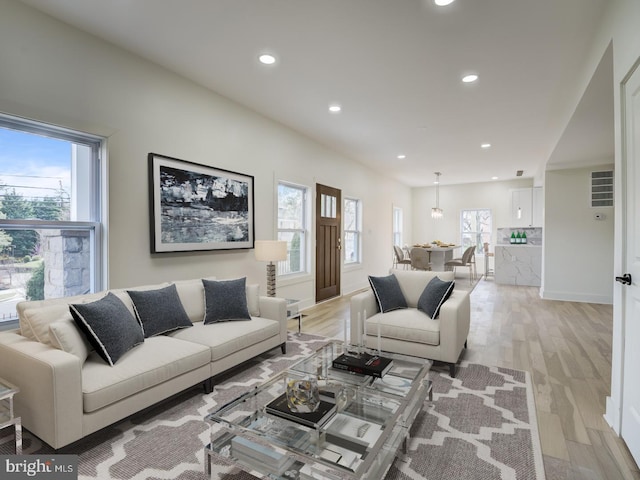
(303, 394)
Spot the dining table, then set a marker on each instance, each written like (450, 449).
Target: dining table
(439, 255)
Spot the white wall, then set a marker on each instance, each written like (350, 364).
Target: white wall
(578, 250)
(57, 74)
(496, 196)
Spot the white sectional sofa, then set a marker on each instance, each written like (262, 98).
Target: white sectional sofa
(64, 397)
(409, 331)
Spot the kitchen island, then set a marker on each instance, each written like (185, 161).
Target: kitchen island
(518, 265)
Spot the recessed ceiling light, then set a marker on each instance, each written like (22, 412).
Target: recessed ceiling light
(401, 157)
(443, 3)
(494, 178)
(267, 59)
(485, 145)
(335, 108)
(470, 78)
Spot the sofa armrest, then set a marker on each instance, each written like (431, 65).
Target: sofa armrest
(50, 383)
(274, 308)
(455, 318)
(361, 303)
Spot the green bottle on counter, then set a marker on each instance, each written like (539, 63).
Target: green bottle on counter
(518, 238)
(524, 237)
(513, 237)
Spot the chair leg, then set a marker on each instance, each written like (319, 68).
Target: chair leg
(452, 370)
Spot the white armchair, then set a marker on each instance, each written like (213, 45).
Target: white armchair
(410, 331)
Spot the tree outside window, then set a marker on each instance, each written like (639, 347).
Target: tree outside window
(475, 228)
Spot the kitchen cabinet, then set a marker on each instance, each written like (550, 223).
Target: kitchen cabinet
(526, 207)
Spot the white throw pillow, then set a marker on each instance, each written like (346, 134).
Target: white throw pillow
(65, 335)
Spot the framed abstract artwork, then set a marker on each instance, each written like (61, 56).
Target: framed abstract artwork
(197, 207)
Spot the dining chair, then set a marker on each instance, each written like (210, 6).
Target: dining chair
(420, 259)
(464, 261)
(400, 258)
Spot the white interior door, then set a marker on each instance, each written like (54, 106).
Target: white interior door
(630, 429)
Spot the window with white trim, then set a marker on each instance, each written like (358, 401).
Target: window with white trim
(51, 208)
(293, 227)
(352, 215)
(476, 228)
(397, 226)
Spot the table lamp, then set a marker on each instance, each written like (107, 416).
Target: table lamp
(271, 251)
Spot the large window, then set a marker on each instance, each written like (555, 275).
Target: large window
(50, 213)
(475, 228)
(352, 231)
(397, 226)
(292, 227)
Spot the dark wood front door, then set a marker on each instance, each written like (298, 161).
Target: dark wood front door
(328, 242)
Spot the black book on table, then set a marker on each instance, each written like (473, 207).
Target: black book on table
(363, 363)
(280, 408)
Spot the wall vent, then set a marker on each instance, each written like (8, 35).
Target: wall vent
(602, 189)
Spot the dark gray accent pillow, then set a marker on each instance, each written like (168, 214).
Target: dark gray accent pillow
(159, 311)
(109, 326)
(225, 300)
(388, 293)
(434, 295)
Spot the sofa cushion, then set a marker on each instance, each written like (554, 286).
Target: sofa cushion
(65, 335)
(412, 282)
(159, 311)
(408, 325)
(109, 326)
(225, 300)
(225, 338)
(434, 295)
(158, 360)
(36, 316)
(253, 299)
(191, 293)
(387, 292)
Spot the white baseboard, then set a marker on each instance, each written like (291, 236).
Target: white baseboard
(576, 297)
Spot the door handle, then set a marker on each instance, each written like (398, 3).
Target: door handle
(624, 279)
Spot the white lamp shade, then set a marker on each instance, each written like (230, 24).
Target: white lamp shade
(270, 250)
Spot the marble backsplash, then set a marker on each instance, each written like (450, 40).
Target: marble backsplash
(534, 235)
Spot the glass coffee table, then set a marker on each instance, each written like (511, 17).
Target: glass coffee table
(7, 417)
(365, 428)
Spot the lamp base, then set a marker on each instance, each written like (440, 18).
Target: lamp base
(271, 280)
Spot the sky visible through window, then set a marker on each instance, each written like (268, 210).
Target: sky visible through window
(36, 166)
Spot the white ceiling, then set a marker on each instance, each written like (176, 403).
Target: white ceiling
(394, 66)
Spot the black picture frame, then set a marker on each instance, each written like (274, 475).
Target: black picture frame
(196, 207)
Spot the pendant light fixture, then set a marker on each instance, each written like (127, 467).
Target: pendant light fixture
(436, 212)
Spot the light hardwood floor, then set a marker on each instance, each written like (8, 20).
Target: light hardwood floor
(565, 346)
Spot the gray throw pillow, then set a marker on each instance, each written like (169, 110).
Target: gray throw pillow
(159, 311)
(434, 295)
(388, 293)
(109, 326)
(225, 300)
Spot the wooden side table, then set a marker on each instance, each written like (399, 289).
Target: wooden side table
(7, 419)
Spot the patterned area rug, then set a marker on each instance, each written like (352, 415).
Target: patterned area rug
(481, 425)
